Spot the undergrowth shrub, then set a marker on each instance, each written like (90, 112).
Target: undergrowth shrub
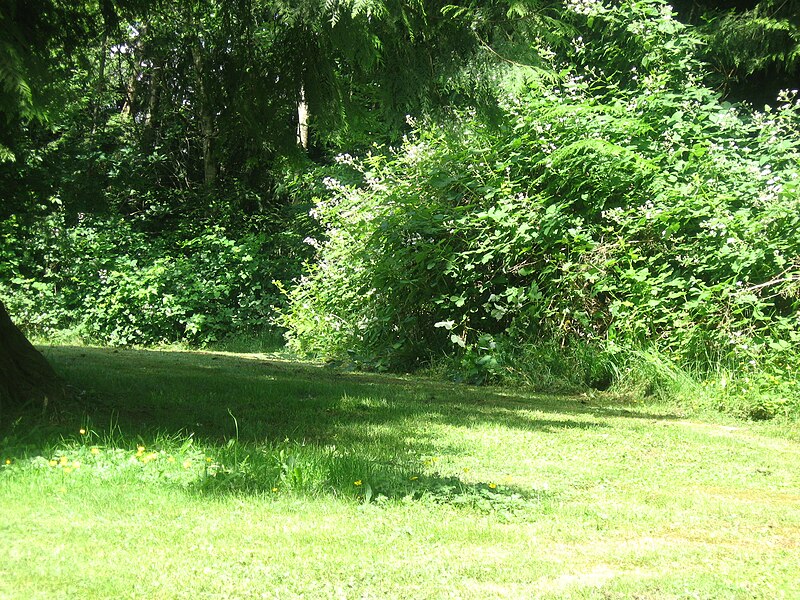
(109, 283)
(608, 212)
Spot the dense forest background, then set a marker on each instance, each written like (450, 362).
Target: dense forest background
(580, 193)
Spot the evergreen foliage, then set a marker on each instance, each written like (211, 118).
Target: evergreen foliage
(753, 50)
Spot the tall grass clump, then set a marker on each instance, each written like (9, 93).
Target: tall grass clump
(625, 214)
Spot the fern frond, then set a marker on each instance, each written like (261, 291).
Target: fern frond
(6, 155)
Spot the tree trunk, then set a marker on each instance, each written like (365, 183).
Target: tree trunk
(132, 87)
(99, 84)
(206, 118)
(25, 375)
(302, 119)
(149, 133)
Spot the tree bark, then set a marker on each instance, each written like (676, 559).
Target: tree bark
(302, 119)
(26, 378)
(149, 133)
(206, 118)
(99, 84)
(132, 88)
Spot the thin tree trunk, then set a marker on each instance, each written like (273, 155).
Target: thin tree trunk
(206, 119)
(100, 83)
(302, 119)
(133, 81)
(149, 134)
(25, 375)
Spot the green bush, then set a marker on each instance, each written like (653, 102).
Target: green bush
(111, 284)
(599, 215)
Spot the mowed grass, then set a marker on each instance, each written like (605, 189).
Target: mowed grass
(199, 475)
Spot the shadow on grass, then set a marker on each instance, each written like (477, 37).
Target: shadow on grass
(303, 427)
(199, 392)
(359, 479)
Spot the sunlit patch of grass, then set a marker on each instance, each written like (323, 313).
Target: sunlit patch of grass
(303, 481)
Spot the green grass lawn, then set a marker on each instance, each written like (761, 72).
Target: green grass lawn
(199, 475)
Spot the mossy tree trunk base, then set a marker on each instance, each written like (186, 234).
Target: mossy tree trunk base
(26, 378)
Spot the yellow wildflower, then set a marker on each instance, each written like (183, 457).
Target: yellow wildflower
(95, 450)
(492, 486)
(357, 483)
(53, 463)
(208, 459)
(82, 431)
(76, 465)
(8, 461)
(148, 457)
(171, 459)
(274, 489)
(63, 461)
(187, 464)
(414, 478)
(67, 470)
(139, 450)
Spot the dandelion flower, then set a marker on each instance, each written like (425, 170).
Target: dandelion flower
(8, 461)
(95, 451)
(67, 470)
(63, 461)
(208, 459)
(492, 486)
(357, 483)
(53, 463)
(274, 490)
(82, 431)
(76, 464)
